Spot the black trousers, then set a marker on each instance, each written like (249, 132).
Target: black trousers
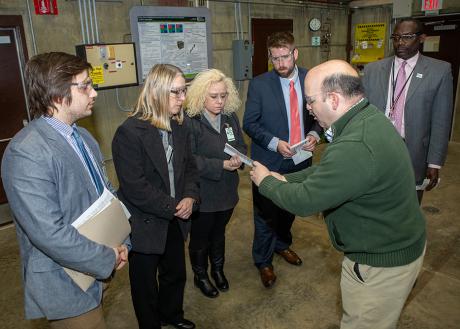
(159, 300)
(208, 229)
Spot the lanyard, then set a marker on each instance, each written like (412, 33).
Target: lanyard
(393, 85)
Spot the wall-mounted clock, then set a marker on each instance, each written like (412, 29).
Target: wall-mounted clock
(314, 24)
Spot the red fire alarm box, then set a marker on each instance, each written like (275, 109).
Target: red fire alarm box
(45, 7)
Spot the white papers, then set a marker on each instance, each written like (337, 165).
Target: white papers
(423, 186)
(300, 155)
(230, 150)
(102, 202)
(425, 183)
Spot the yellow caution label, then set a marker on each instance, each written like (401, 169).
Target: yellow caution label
(97, 75)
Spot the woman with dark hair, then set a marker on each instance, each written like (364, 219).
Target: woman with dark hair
(211, 103)
(159, 185)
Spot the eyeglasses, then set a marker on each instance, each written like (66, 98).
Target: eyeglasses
(283, 58)
(310, 99)
(84, 85)
(404, 37)
(179, 92)
(216, 97)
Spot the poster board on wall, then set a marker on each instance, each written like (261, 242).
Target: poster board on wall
(369, 44)
(175, 35)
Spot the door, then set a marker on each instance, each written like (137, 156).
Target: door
(13, 114)
(261, 29)
(447, 29)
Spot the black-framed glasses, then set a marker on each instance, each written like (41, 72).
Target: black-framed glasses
(84, 85)
(283, 58)
(405, 37)
(179, 92)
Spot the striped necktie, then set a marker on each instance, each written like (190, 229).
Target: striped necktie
(92, 169)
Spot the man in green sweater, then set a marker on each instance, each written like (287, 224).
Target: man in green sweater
(364, 185)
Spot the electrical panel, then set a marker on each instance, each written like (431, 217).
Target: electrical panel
(114, 65)
(402, 8)
(242, 60)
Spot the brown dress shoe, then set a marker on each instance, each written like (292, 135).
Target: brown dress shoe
(267, 276)
(290, 256)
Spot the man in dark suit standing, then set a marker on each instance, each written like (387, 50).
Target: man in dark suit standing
(415, 92)
(275, 118)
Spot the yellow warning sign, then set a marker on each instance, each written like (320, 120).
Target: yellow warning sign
(97, 75)
(369, 43)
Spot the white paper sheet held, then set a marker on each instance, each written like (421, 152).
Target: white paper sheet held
(230, 150)
(299, 154)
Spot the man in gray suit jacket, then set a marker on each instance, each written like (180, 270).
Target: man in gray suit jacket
(52, 171)
(425, 98)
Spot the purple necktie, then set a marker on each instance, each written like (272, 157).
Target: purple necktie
(399, 98)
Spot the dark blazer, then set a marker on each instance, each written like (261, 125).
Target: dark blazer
(428, 108)
(265, 117)
(140, 163)
(218, 187)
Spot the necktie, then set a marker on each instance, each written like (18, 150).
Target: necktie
(92, 170)
(295, 118)
(399, 98)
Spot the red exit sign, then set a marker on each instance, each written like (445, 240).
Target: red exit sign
(431, 5)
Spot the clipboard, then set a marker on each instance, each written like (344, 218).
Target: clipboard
(109, 227)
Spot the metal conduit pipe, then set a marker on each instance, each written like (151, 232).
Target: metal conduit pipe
(85, 15)
(287, 4)
(32, 31)
(249, 24)
(90, 12)
(96, 26)
(240, 21)
(83, 39)
(237, 26)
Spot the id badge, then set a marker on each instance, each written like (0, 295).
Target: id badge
(230, 135)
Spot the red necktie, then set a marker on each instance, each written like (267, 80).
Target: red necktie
(295, 119)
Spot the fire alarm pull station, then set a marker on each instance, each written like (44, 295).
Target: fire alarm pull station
(114, 65)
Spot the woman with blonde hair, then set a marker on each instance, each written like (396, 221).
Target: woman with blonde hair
(211, 103)
(159, 185)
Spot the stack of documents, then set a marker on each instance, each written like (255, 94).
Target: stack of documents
(105, 222)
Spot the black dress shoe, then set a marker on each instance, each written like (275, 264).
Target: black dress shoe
(220, 280)
(206, 287)
(181, 324)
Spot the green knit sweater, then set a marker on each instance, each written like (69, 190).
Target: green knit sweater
(364, 185)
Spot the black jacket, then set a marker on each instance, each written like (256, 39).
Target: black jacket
(140, 163)
(218, 187)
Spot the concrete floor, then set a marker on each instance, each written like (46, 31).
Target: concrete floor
(303, 297)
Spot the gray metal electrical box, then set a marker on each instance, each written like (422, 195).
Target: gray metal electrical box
(402, 8)
(242, 60)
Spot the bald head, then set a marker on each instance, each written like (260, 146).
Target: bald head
(331, 90)
(334, 66)
(334, 76)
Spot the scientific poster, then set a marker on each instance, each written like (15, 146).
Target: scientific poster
(180, 41)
